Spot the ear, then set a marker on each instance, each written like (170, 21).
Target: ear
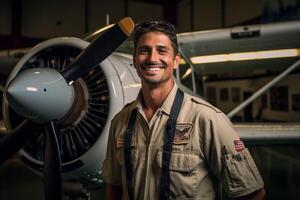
(177, 61)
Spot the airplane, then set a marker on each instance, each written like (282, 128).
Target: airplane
(103, 91)
(257, 54)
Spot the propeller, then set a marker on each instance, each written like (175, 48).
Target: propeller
(91, 57)
(44, 96)
(15, 140)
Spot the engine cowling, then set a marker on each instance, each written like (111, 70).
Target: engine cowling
(99, 95)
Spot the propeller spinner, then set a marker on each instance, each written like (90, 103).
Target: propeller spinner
(40, 94)
(45, 96)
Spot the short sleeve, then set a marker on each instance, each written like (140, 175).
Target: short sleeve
(111, 169)
(228, 158)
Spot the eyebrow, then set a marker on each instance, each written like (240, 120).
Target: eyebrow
(157, 46)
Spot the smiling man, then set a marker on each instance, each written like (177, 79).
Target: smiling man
(171, 145)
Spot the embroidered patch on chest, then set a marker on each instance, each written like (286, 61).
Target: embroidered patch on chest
(120, 142)
(182, 133)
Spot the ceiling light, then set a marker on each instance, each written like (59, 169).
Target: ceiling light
(255, 55)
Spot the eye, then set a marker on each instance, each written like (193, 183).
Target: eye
(143, 51)
(162, 50)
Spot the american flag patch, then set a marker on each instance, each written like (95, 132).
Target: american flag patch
(239, 145)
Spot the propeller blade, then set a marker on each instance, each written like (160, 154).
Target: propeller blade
(98, 50)
(15, 140)
(52, 164)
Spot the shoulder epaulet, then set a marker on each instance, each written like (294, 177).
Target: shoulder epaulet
(204, 103)
(124, 110)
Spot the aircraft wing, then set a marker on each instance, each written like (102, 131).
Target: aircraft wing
(9, 58)
(223, 51)
(209, 50)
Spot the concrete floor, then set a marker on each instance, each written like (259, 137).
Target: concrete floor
(279, 166)
(17, 182)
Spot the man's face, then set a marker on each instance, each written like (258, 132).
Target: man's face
(154, 58)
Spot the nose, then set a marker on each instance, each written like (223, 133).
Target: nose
(153, 56)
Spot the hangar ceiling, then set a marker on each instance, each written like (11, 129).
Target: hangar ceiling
(17, 40)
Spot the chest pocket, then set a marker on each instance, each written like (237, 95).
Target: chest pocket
(183, 174)
(120, 152)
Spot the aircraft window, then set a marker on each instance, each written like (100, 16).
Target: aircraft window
(224, 96)
(279, 98)
(264, 101)
(198, 84)
(235, 94)
(296, 102)
(211, 94)
(185, 73)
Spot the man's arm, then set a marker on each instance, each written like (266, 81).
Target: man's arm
(257, 195)
(113, 192)
(231, 161)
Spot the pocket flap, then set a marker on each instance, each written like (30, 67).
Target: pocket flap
(183, 162)
(120, 142)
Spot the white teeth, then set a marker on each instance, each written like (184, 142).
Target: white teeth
(152, 69)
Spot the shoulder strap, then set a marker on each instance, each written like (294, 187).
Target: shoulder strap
(171, 127)
(127, 153)
(170, 130)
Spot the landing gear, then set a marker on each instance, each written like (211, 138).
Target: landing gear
(76, 190)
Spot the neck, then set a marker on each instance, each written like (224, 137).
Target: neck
(154, 97)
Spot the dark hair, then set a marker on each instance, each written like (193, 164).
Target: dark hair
(159, 26)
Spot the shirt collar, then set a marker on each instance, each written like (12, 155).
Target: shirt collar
(167, 104)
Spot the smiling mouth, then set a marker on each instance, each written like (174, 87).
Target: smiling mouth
(155, 67)
(152, 69)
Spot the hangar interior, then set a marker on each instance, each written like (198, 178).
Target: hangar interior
(24, 24)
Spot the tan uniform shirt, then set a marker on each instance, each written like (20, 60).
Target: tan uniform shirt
(206, 151)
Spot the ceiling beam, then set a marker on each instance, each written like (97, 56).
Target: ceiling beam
(16, 22)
